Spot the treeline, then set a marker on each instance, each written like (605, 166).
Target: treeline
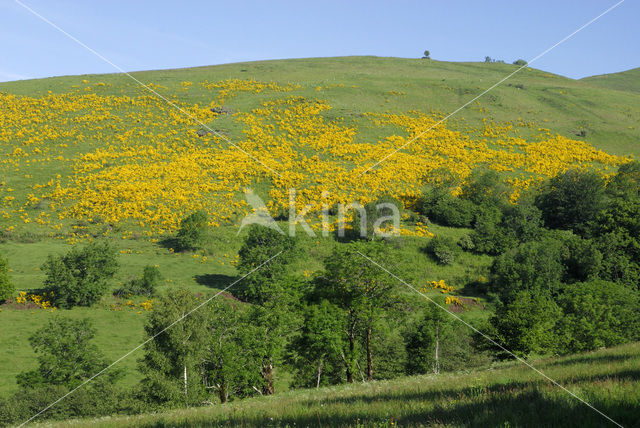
(567, 256)
(564, 279)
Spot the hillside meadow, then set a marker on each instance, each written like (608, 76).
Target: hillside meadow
(98, 158)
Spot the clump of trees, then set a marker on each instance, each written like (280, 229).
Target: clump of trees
(80, 277)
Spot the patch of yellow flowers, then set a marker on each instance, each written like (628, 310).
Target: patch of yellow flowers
(39, 299)
(133, 159)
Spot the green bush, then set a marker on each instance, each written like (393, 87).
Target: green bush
(192, 234)
(6, 286)
(572, 200)
(597, 314)
(443, 249)
(375, 211)
(443, 208)
(80, 277)
(143, 286)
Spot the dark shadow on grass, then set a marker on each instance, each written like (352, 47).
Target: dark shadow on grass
(215, 280)
(528, 408)
(586, 359)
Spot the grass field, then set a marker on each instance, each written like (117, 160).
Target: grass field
(78, 156)
(507, 395)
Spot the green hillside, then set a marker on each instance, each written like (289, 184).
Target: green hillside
(624, 81)
(507, 395)
(97, 158)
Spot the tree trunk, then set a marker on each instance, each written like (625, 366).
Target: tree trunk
(369, 355)
(267, 375)
(319, 373)
(349, 360)
(222, 392)
(185, 385)
(436, 364)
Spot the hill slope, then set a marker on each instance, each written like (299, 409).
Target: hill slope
(624, 81)
(71, 146)
(510, 394)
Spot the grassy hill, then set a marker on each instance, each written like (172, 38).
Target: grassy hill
(97, 157)
(509, 394)
(628, 81)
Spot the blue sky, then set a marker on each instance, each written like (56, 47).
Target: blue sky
(141, 35)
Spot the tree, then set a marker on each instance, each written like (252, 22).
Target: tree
(228, 364)
(487, 59)
(65, 354)
(525, 324)
(520, 62)
(425, 341)
(80, 277)
(318, 349)
(486, 187)
(172, 360)
(572, 200)
(597, 314)
(376, 216)
(271, 252)
(192, 234)
(362, 290)
(6, 286)
(443, 208)
(271, 326)
(534, 266)
(426, 55)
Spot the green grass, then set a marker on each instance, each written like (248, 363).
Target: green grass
(609, 112)
(507, 395)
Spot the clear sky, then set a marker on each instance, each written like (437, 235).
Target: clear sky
(142, 35)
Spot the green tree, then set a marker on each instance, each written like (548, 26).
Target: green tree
(80, 277)
(425, 340)
(426, 55)
(6, 286)
(525, 324)
(65, 355)
(485, 187)
(536, 266)
(318, 349)
(597, 314)
(572, 200)
(377, 214)
(266, 254)
(228, 363)
(192, 234)
(440, 206)
(363, 290)
(520, 62)
(271, 325)
(172, 363)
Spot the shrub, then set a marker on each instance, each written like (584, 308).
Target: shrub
(192, 234)
(525, 325)
(597, 314)
(80, 277)
(443, 208)
(143, 286)
(571, 200)
(378, 213)
(443, 249)
(6, 286)
(520, 62)
(466, 243)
